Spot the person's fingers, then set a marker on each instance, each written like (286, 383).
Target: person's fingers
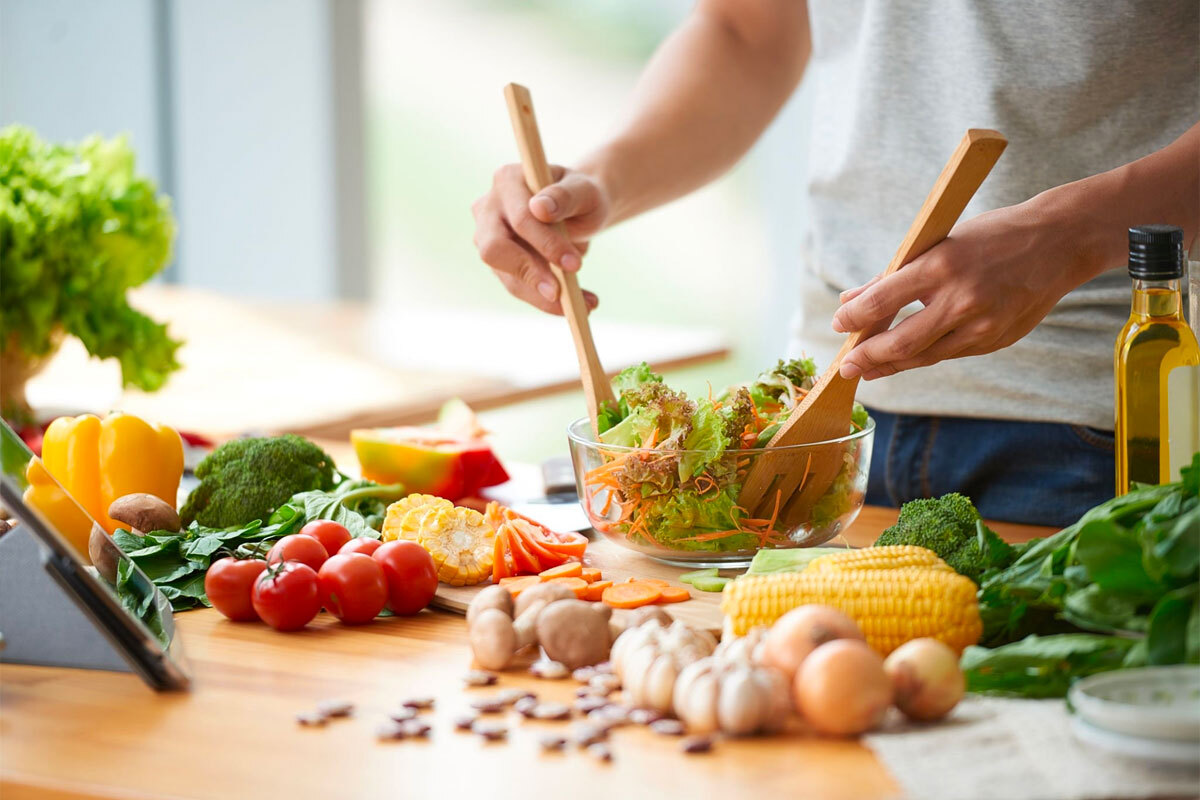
(850, 294)
(591, 299)
(530, 294)
(549, 241)
(977, 337)
(500, 251)
(882, 300)
(907, 340)
(575, 195)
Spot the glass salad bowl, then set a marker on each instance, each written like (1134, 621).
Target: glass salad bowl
(636, 497)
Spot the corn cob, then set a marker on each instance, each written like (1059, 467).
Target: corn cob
(888, 557)
(891, 606)
(406, 516)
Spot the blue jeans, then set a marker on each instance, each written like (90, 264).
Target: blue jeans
(1041, 473)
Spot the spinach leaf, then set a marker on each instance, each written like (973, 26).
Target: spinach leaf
(1173, 615)
(1113, 559)
(1042, 666)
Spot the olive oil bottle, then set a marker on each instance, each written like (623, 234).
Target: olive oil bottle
(1155, 410)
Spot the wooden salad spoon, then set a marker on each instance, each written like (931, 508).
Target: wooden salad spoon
(791, 482)
(596, 387)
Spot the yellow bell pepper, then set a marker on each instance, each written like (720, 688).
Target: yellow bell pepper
(97, 461)
(67, 517)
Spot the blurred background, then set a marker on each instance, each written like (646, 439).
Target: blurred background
(322, 157)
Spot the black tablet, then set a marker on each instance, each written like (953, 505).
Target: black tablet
(113, 594)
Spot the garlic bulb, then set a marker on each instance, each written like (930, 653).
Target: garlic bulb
(648, 660)
(728, 693)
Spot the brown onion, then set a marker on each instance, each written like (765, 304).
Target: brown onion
(801, 630)
(841, 688)
(926, 678)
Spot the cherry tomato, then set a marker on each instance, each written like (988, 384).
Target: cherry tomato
(332, 535)
(287, 595)
(411, 576)
(228, 583)
(353, 588)
(361, 544)
(299, 547)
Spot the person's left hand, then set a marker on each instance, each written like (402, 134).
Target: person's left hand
(983, 288)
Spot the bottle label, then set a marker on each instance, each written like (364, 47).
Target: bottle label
(1183, 418)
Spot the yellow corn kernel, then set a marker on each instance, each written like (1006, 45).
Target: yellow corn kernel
(888, 557)
(460, 542)
(891, 606)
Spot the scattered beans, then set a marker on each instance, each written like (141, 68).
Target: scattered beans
(552, 741)
(510, 696)
(491, 731)
(604, 667)
(548, 670)
(668, 727)
(600, 752)
(605, 682)
(478, 677)
(313, 719)
(548, 711)
(588, 691)
(489, 705)
(402, 714)
(587, 734)
(415, 727)
(583, 674)
(335, 708)
(696, 744)
(644, 716)
(418, 702)
(390, 731)
(526, 706)
(590, 703)
(609, 717)
(464, 722)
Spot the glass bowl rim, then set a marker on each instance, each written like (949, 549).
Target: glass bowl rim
(866, 430)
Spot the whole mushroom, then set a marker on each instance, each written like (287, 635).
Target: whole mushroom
(574, 632)
(144, 513)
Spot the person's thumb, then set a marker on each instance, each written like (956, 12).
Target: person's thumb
(574, 196)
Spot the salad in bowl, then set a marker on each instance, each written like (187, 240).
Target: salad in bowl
(664, 475)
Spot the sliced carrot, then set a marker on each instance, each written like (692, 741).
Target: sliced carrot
(631, 595)
(500, 556)
(675, 594)
(528, 534)
(590, 574)
(570, 544)
(571, 569)
(526, 562)
(656, 581)
(595, 590)
(518, 584)
(577, 585)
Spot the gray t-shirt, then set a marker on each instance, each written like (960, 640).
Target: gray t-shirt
(1077, 87)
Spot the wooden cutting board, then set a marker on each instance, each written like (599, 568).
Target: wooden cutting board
(616, 563)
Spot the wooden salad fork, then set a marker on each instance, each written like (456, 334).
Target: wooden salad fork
(596, 387)
(789, 483)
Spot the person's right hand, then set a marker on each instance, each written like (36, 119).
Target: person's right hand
(516, 235)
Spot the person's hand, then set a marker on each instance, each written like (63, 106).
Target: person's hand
(516, 236)
(986, 286)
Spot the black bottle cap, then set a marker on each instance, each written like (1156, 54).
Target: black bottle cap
(1156, 252)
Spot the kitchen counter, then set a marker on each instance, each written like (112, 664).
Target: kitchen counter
(75, 733)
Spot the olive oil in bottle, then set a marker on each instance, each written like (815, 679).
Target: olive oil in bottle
(1154, 342)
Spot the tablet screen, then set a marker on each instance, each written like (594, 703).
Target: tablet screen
(63, 526)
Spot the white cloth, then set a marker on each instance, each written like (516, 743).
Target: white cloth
(1000, 749)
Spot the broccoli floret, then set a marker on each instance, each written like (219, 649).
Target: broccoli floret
(950, 526)
(247, 479)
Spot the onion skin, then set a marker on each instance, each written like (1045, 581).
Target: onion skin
(800, 631)
(841, 688)
(926, 679)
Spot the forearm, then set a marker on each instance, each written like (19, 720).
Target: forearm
(705, 97)
(1163, 187)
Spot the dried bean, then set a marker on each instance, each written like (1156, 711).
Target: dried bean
(552, 742)
(604, 667)
(478, 677)
(489, 705)
(548, 711)
(590, 703)
(402, 713)
(311, 719)
(600, 752)
(510, 696)
(418, 702)
(605, 682)
(415, 727)
(490, 731)
(644, 716)
(335, 708)
(696, 744)
(668, 727)
(390, 731)
(587, 734)
(464, 721)
(583, 674)
(525, 706)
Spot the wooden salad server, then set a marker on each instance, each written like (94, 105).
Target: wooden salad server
(596, 387)
(792, 482)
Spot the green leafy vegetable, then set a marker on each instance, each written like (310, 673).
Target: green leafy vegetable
(245, 480)
(358, 505)
(78, 227)
(1129, 566)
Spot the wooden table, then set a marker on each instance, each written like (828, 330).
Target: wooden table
(73, 733)
(322, 369)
